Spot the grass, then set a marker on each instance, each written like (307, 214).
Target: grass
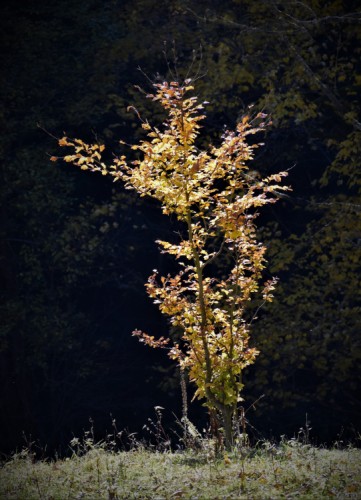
(291, 469)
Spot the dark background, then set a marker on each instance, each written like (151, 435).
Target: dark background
(76, 250)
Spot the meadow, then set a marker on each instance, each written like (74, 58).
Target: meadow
(95, 471)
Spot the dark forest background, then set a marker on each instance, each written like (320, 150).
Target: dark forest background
(76, 250)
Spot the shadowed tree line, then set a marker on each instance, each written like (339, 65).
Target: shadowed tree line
(75, 252)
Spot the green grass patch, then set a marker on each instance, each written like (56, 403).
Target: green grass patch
(288, 470)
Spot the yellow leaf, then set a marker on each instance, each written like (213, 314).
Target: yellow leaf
(63, 142)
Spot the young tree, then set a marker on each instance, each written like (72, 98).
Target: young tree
(214, 196)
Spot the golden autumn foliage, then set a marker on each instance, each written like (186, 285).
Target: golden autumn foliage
(214, 195)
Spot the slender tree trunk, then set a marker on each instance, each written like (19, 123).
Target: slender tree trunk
(227, 414)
